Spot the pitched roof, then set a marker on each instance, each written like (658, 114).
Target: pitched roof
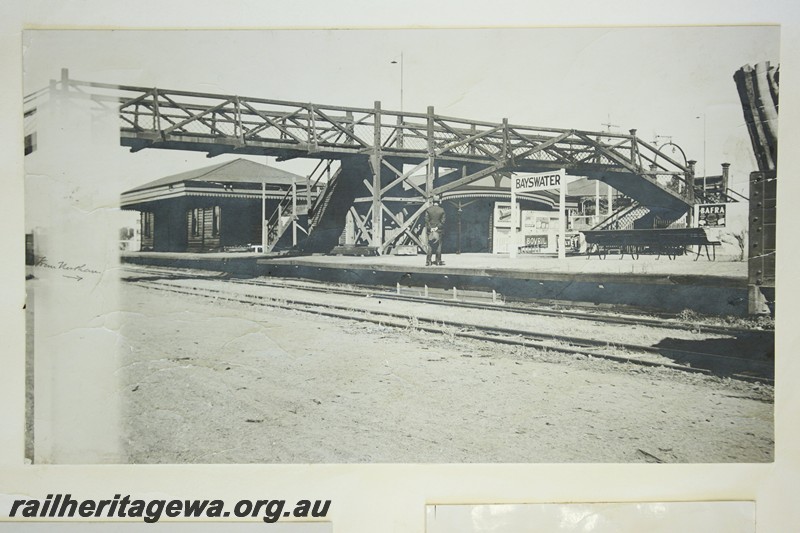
(236, 171)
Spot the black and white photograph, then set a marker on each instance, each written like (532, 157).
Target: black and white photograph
(510, 245)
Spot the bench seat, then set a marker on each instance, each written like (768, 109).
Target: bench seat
(669, 242)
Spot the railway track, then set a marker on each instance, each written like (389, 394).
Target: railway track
(643, 355)
(594, 315)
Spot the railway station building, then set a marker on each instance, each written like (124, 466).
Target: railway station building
(210, 209)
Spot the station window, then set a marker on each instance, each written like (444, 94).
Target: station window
(195, 229)
(215, 216)
(147, 224)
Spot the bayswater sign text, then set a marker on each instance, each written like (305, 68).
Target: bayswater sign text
(537, 182)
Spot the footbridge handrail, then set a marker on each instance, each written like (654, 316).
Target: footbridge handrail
(296, 129)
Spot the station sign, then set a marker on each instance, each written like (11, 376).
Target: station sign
(538, 182)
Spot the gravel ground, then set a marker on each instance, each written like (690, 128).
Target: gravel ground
(223, 382)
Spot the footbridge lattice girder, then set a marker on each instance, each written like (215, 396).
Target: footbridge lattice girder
(159, 119)
(392, 142)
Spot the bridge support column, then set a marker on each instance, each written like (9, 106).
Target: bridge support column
(294, 212)
(400, 134)
(376, 238)
(431, 156)
(597, 201)
(690, 192)
(635, 150)
(264, 227)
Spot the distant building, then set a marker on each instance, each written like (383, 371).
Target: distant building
(716, 187)
(210, 209)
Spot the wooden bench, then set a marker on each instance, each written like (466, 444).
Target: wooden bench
(669, 242)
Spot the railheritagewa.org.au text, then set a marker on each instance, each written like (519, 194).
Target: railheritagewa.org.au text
(65, 506)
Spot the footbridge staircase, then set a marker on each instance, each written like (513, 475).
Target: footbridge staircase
(639, 216)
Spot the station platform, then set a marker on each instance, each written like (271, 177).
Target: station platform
(647, 284)
(235, 263)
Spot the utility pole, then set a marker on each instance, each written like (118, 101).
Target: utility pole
(704, 152)
(609, 125)
(395, 62)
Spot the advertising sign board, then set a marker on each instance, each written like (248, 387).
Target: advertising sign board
(711, 215)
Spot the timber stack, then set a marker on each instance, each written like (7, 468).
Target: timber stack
(758, 92)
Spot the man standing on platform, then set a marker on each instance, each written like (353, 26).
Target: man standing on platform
(434, 226)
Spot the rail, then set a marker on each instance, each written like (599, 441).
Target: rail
(647, 355)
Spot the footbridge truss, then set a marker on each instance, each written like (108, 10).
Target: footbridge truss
(396, 162)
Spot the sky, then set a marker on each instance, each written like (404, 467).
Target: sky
(666, 81)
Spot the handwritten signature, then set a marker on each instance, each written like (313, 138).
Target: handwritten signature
(62, 265)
